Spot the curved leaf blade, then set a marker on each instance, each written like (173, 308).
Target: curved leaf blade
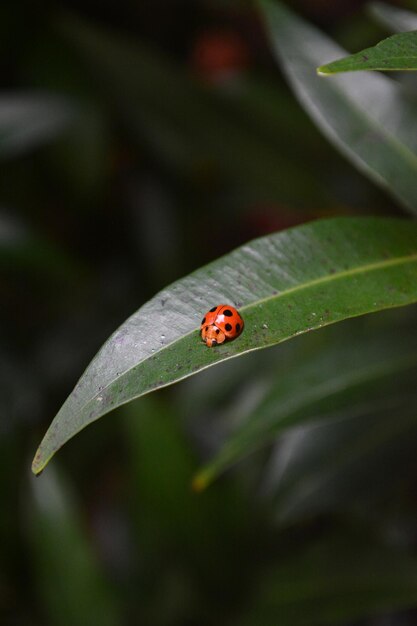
(398, 52)
(285, 284)
(370, 118)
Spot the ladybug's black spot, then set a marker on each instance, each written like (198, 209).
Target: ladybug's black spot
(228, 327)
(237, 328)
(227, 313)
(213, 309)
(204, 321)
(217, 331)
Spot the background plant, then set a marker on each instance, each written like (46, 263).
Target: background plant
(136, 147)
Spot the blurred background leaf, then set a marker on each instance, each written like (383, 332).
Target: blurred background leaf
(27, 121)
(392, 17)
(69, 577)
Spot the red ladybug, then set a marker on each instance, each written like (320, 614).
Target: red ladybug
(222, 323)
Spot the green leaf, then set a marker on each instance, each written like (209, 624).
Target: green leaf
(346, 376)
(335, 579)
(370, 118)
(285, 284)
(394, 18)
(69, 578)
(27, 121)
(398, 52)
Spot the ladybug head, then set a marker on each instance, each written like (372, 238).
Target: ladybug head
(212, 335)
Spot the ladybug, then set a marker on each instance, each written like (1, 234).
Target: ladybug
(222, 323)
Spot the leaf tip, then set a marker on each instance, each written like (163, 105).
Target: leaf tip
(200, 482)
(323, 70)
(39, 462)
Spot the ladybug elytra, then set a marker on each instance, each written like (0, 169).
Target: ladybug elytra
(222, 323)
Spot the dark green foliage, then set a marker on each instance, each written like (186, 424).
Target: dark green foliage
(154, 159)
